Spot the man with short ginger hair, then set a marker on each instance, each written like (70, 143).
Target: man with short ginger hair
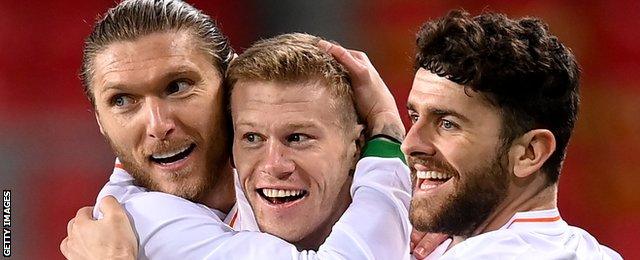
(158, 98)
(296, 137)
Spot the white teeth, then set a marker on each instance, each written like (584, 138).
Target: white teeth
(277, 193)
(432, 175)
(169, 154)
(425, 186)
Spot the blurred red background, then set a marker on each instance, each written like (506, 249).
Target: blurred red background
(54, 160)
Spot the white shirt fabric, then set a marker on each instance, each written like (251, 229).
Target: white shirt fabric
(245, 219)
(375, 226)
(529, 235)
(121, 186)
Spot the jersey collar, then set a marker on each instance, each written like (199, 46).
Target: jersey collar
(535, 220)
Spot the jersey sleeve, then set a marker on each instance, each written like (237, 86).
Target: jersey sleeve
(375, 225)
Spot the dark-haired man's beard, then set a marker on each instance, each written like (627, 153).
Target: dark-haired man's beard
(460, 213)
(180, 186)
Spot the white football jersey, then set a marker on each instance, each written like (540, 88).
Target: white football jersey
(375, 226)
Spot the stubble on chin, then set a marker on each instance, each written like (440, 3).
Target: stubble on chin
(462, 211)
(179, 182)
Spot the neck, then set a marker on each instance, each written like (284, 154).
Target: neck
(524, 194)
(317, 237)
(221, 195)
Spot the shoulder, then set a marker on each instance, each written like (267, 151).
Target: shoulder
(157, 217)
(514, 244)
(586, 244)
(158, 205)
(490, 245)
(379, 163)
(391, 171)
(120, 186)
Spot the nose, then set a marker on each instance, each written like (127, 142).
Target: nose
(159, 121)
(419, 141)
(276, 163)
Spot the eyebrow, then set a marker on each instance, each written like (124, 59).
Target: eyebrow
(179, 72)
(298, 125)
(295, 125)
(410, 106)
(447, 112)
(440, 112)
(173, 73)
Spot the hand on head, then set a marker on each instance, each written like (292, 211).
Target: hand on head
(374, 101)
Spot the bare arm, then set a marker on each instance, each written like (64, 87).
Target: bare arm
(376, 105)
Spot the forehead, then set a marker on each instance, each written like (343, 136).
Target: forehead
(149, 57)
(430, 91)
(278, 102)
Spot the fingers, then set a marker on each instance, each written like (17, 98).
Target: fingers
(83, 214)
(64, 246)
(343, 56)
(427, 244)
(361, 57)
(416, 237)
(67, 247)
(70, 226)
(110, 207)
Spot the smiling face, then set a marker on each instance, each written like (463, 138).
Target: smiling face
(158, 101)
(455, 154)
(293, 154)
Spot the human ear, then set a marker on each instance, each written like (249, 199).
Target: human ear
(530, 151)
(358, 143)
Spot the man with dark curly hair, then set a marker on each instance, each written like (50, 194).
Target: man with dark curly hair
(492, 106)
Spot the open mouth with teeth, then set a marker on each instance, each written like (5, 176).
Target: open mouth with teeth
(172, 156)
(278, 196)
(431, 179)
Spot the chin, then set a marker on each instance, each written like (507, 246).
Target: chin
(190, 190)
(288, 232)
(422, 213)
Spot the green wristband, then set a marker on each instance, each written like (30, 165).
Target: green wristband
(381, 147)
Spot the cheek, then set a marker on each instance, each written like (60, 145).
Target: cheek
(202, 110)
(329, 174)
(468, 158)
(198, 118)
(457, 155)
(121, 131)
(245, 162)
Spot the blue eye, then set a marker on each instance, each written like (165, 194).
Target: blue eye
(178, 86)
(121, 100)
(448, 125)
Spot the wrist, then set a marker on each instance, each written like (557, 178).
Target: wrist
(388, 124)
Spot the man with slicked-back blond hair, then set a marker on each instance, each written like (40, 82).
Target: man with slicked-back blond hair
(153, 71)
